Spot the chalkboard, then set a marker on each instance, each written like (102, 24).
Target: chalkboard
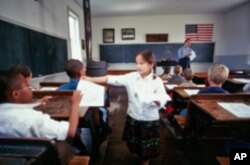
(125, 53)
(44, 54)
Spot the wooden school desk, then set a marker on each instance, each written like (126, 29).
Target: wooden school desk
(59, 106)
(207, 118)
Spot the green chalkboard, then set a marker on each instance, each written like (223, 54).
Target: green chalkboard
(125, 53)
(43, 53)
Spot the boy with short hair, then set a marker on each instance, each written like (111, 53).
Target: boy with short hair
(177, 78)
(19, 119)
(217, 75)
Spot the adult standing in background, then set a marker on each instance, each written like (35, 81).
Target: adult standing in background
(184, 54)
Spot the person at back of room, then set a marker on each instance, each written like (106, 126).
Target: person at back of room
(146, 95)
(177, 77)
(166, 73)
(188, 75)
(19, 119)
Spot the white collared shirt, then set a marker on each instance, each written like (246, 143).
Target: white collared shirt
(142, 92)
(21, 120)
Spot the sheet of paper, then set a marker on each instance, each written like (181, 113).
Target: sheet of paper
(171, 86)
(191, 91)
(93, 94)
(242, 80)
(238, 109)
(48, 88)
(192, 56)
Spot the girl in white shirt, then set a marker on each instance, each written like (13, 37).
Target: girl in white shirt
(146, 95)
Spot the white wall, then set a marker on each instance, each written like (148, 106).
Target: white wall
(46, 16)
(237, 28)
(174, 25)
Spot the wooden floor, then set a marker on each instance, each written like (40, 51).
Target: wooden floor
(172, 150)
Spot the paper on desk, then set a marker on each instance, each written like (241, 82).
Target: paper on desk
(171, 86)
(192, 56)
(242, 80)
(93, 94)
(238, 109)
(191, 91)
(48, 88)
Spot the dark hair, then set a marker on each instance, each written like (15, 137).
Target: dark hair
(148, 56)
(73, 67)
(22, 69)
(8, 81)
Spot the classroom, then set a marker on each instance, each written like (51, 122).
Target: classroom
(106, 36)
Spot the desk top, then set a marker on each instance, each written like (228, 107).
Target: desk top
(209, 104)
(59, 106)
(186, 92)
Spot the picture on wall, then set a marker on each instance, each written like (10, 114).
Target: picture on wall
(109, 35)
(128, 34)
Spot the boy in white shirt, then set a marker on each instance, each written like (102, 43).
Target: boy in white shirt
(19, 119)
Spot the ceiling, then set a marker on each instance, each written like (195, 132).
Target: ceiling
(109, 8)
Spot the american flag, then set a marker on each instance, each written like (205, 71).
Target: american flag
(200, 32)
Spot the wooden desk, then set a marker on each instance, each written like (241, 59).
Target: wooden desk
(181, 91)
(59, 106)
(206, 118)
(234, 86)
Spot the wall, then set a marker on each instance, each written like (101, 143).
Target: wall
(46, 16)
(231, 33)
(236, 46)
(174, 25)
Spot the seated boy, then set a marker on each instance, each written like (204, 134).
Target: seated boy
(177, 78)
(216, 76)
(188, 75)
(75, 70)
(19, 119)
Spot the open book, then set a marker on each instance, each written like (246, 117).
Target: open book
(93, 94)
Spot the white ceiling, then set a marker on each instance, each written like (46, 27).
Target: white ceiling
(107, 8)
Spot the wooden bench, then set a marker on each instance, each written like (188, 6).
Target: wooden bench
(80, 160)
(223, 160)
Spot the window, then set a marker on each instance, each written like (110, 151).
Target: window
(75, 45)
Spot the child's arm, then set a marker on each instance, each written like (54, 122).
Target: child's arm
(74, 114)
(98, 80)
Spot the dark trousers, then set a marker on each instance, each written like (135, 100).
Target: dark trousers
(184, 62)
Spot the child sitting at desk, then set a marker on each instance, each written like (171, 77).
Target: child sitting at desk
(188, 75)
(177, 78)
(75, 70)
(216, 76)
(19, 119)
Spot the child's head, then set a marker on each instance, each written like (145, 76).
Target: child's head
(24, 70)
(188, 74)
(74, 69)
(145, 62)
(187, 42)
(218, 74)
(14, 88)
(177, 69)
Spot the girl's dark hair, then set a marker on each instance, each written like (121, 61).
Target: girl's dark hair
(22, 69)
(148, 56)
